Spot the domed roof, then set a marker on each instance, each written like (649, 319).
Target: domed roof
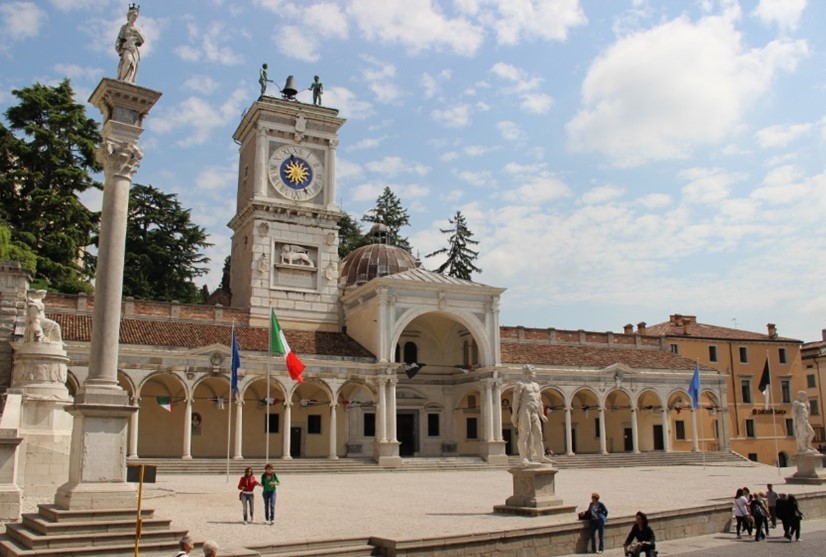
(376, 260)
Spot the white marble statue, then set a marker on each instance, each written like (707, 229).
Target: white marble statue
(295, 255)
(130, 38)
(802, 429)
(527, 416)
(38, 328)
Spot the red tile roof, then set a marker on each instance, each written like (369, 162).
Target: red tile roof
(591, 356)
(702, 330)
(195, 335)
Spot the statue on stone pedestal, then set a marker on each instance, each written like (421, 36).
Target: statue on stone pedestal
(318, 89)
(527, 416)
(38, 328)
(263, 79)
(802, 429)
(129, 39)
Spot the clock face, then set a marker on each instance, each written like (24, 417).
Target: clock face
(296, 173)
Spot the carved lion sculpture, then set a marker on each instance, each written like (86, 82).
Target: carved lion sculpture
(291, 254)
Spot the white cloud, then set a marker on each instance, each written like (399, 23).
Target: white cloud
(214, 178)
(432, 84)
(72, 5)
(417, 25)
(510, 131)
(456, 116)
(708, 185)
(393, 166)
(202, 84)
(536, 103)
(367, 143)
(379, 77)
(199, 117)
(782, 186)
(602, 194)
(780, 136)
(478, 178)
(784, 13)
(516, 21)
(348, 104)
(537, 188)
(205, 45)
(655, 201)
(347, 170)
(523, 85)
(478, 150)
(658, 94)
(75, 72)
(20, 21)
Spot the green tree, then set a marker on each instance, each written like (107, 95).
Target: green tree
(47, 157)
(16, 251)
(389, 211)
(163, 248)
(350, 235)
(225, 275)
(460, 257)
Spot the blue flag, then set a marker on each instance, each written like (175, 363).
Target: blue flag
(694, 387)
(236, 363)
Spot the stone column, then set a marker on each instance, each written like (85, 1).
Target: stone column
(388, 446)
(330, 190)
(635, 434)
(333, 431)
(569, 437)
(722, 424)
(239, 429)
(602, 444)
(134, 421)
(391, 409)
(288, 424)
(187, 453)
(695, 439)
(97, 468)
(666, 436)
(497, 410)
(381, 411)
(487, 410)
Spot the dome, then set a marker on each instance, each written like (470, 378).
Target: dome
(375, 260)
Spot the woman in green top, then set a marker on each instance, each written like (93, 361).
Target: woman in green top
(269, 480)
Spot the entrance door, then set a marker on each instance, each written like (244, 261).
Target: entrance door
(406, 433)
(506, 437)
(573, 440)
(658, 438)
(295, 441)
(628, 440)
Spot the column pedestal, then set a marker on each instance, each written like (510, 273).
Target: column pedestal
(494, 452)
(533, 492)
(388, 454)
(809, 470)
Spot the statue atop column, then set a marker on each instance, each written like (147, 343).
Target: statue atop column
(263, 79)
(802, 429)
(527, 417)
(130, 38)
(318, 89)
(38, 328)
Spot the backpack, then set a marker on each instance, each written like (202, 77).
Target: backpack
(757, 509)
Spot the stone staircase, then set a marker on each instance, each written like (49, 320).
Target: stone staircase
(355, 547)
(169, 466)
(54, 532)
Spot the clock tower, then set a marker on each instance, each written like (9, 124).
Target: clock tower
(285, 229)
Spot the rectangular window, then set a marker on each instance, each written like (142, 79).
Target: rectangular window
(810, 382)
(273, 423)
(753, 457)
(369, 425)
(471, 428)
(745, 390)
(786, 391)
(433, 425)
(679, 429)
(781, 354)
(596, 428)
(314, 424)
(744, 355)
(712, 353)
(814, 407)
(675, 348)
(749, 428)
(789, 427)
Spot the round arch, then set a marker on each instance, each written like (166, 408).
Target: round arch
(473, 325)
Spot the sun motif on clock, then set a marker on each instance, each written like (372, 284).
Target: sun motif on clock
(296, 172)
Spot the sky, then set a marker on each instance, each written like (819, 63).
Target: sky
(617, 161)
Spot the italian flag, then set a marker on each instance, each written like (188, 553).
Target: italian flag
(278, 345)
(164, 402)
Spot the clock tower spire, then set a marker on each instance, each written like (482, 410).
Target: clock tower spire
(285, 229)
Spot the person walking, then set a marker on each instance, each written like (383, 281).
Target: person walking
(269, 481)
(246, 485)
(741, 512)
(597, 515)
(210, 549)
(771, 500)
(760, 514)
(795, 516)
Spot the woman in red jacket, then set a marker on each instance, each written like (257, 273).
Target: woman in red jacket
(247, 492)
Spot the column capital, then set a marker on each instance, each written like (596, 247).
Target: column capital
(119, 157)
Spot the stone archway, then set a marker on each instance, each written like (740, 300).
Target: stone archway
(585, 426)
(162, 408)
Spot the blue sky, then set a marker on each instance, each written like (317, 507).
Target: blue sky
(618, 161)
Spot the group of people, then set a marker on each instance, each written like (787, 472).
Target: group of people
(186, 544)
(756, 512)
(640, 539)
(246, 493)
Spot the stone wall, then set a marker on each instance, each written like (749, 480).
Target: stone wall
(14, 282)
(564, 539)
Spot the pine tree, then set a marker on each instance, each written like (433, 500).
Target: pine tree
(47, 157)
(225, 275)
(163, 248)
(460, 257)
(350, 235)
(389, 211)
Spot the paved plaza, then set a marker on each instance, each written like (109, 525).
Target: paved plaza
(406, 505)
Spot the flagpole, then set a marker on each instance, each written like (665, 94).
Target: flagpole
(267, 428)
(229, 408)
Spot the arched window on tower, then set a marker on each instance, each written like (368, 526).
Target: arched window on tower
(411, 353)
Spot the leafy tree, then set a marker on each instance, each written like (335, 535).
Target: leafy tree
(163, 248)
(350, 235)
(460, 257)
(389, 211)
(16, 251)
(225, 274)
(47, 157)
